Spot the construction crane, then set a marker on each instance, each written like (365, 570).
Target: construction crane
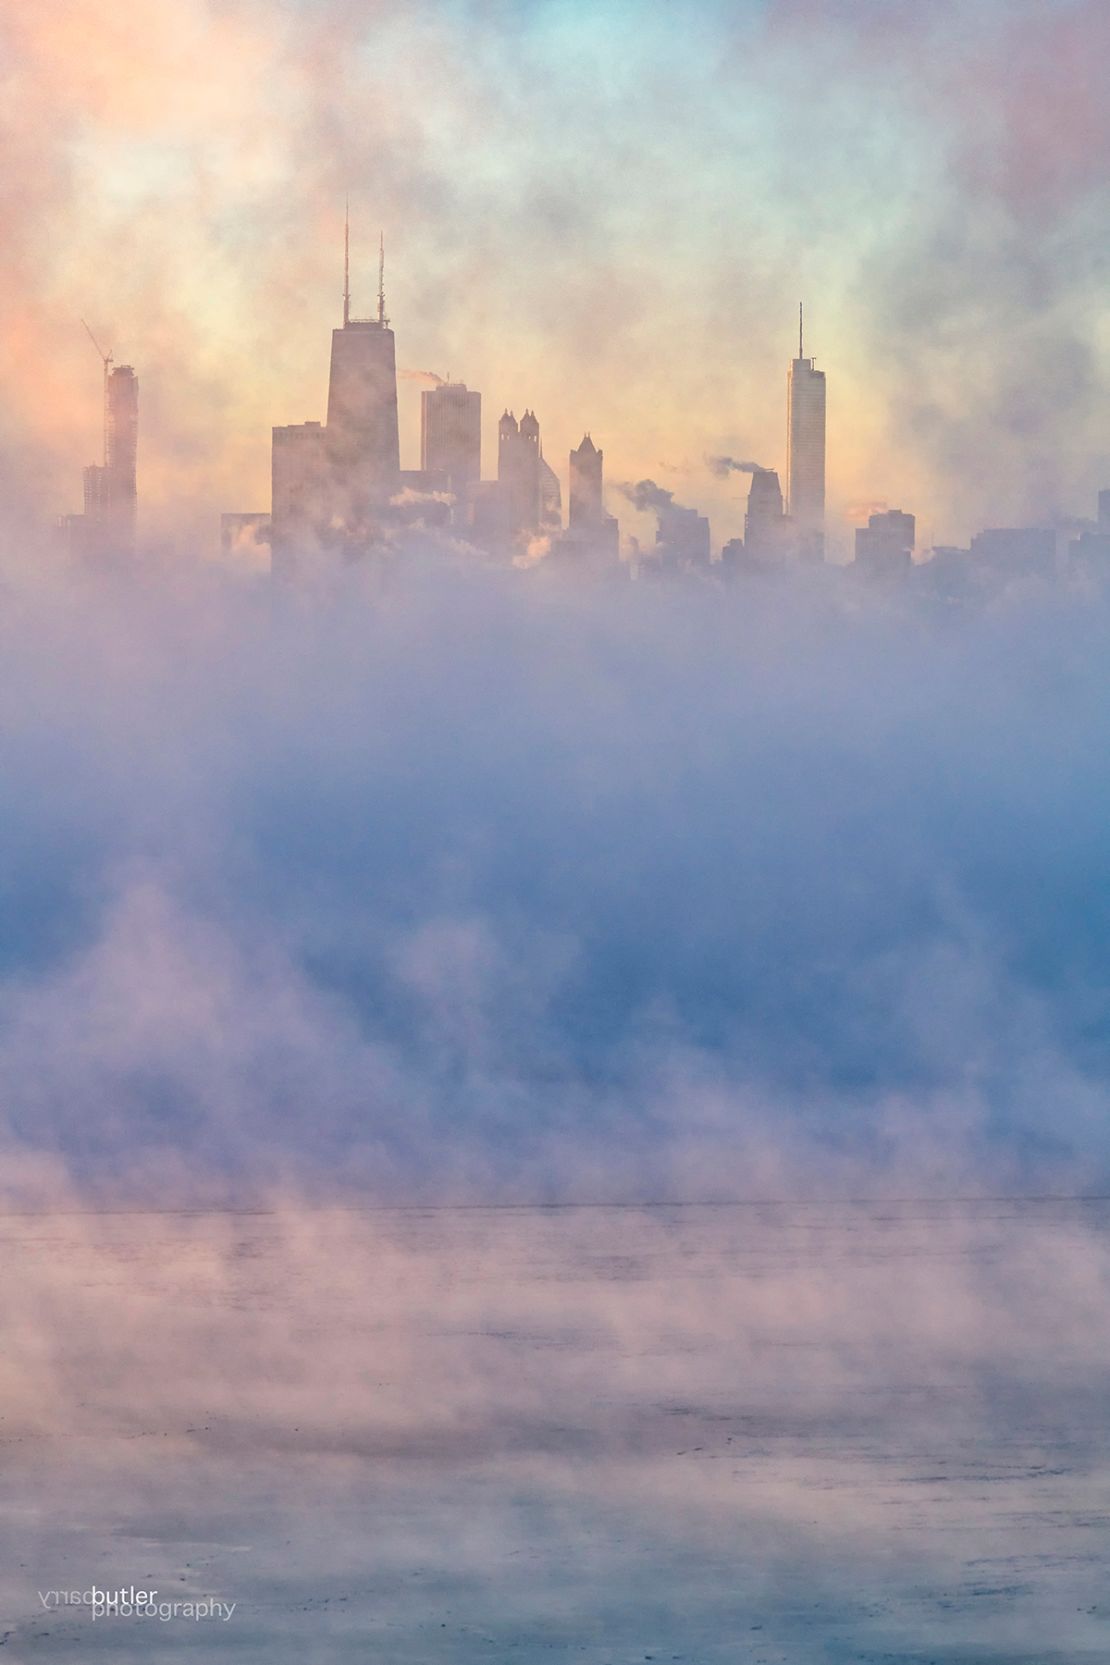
(106, 360)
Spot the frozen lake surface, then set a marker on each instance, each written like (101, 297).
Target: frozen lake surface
(766, 1434)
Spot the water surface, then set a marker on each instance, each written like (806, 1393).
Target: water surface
(784, 1433)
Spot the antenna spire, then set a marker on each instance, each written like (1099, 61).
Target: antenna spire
(381, 279)
(346, 262)
(801, 354)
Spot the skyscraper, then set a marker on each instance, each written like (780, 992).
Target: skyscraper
(886, 543)
(805, 450)
(518, 474)
(334, 485)
(681, 538)
(301, 495)
(107, 526)
(764, 525)
(590, 526)
(362, 439)
(451, 435)
(122, 451)
(586, 504)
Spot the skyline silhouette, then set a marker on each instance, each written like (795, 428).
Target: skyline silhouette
(339, 491)
(945, 234)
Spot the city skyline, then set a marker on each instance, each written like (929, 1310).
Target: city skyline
(337, 486)
(338, 490)
(556, 590)
(948, 252)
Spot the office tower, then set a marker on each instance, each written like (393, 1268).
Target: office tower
(805, 450)
(764, 522)
(886, 542)
(107, 526)
(451, 436)
(110, 486)
(590, 526)
(96, 492)
(508, 470)
(362, 439)
(518, 474)
(681, 538)
(530, 430)
(586, 500)
(121, 451)
(334, 484)
(301, 494)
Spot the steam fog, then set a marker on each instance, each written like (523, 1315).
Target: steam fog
(455, 881)
(450, 1014)
(788, 1435)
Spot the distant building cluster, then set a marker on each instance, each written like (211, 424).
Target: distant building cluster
(338, 490)
(339, 493)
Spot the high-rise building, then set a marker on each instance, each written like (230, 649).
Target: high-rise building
(451, 436)
(362, 438)
(586, 485)
(805, 450)
(764, 522)
(886, 542)
(107, 526)
(334, 485)
(121, 455)
(681, 538)
(590, 527)
(301, 494)
(518, 474)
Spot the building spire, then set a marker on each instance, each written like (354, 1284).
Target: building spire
(801, 354)
(347, 263)
(382, 319)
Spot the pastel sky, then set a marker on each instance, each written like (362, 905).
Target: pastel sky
(605, 211)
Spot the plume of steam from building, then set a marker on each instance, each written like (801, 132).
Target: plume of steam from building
(645, 495)
(722, 467)
(682, 535)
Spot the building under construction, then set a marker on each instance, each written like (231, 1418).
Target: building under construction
(107, 526)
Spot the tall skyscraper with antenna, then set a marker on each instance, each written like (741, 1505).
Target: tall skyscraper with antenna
(362, 438)
(805, 449)
(333, 483)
